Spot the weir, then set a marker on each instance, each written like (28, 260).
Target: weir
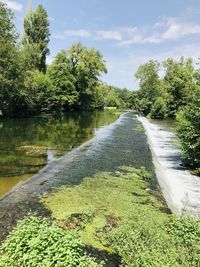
(180, 188)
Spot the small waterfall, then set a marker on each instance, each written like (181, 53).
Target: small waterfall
(180, 189)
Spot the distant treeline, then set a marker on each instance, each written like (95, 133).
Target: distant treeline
(72, 81)
(177, 95)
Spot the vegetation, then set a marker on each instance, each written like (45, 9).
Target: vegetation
(71, 82)
(177, 94)
(36, 242)
(119, 213)
(36, 37)
(114, 212)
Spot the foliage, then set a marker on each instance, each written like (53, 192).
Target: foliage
(36, 28)
(188, 129)
(36, 242)
(118, 212)
(176, 94)
(87, 66)
(149, 85)
(178, 79)
(60, 73)
(10, 68)
(72, 81)
(159, 109)
(38, 92)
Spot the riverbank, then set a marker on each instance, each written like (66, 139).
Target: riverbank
(181, 189)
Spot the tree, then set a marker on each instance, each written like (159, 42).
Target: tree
(188, 129)
(10, 68)
(62, 77)
(159, 109)
(150, 85)
(38, 93)
(87, 66)
(179, 81)
(36, 35)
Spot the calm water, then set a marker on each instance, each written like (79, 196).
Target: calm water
(28, 144)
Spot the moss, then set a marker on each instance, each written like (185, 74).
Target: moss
(119, 195)
(139, 129)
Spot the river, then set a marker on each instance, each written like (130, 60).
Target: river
(83, 146)
(29, 144)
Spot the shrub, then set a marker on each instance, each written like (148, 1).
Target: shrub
(159, 109)
(188, 129)
(37, 243)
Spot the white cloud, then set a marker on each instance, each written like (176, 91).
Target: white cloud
(109, 35)
(176, 29)
(15, 6)
(121, 69)
(168, 29)
(165, 30)
(73, 33)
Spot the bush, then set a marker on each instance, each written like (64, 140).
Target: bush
(159, 109)
(37, 243)
(188, 129)
(143, 244)
(39, 91)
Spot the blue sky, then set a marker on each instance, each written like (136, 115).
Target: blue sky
(127, 32)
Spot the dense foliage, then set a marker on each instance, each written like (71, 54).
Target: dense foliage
(188, 129)
(176, 94)
(36, 242)
(71, 82)
(36, 36)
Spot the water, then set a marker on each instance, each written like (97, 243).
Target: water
(29, 144)
(121, 143)
(181, 189)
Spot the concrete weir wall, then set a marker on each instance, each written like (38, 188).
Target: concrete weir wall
(180, 189)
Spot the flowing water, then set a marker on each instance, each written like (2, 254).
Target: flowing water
(29, 144)
(181, 189)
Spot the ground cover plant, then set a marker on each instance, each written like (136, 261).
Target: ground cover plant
(115, 212)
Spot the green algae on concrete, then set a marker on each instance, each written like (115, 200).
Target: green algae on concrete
(105, 200)
(119, 213)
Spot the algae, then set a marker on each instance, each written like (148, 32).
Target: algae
(103, 202)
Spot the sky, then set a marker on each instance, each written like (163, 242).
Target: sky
(127, 32)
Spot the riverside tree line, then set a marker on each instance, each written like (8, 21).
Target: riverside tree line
(175, 95)
(72, 82)
(29, 86)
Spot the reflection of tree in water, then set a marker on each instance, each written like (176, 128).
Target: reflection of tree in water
(24, 142)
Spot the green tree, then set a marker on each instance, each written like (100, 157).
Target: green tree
(36, 36)
(188, 128)
(10, 67)
(179, 81)
(87, 66)
(38, 92)
(149, 82)
(159, 109)
(60, 72)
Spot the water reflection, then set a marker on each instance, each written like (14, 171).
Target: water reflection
(28, 144)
